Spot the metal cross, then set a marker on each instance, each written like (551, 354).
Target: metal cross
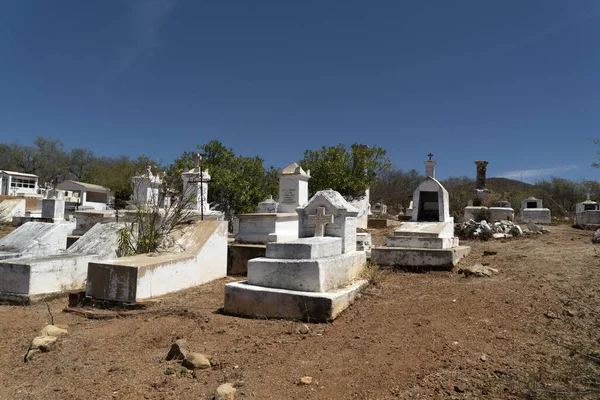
(320, 220)
(429, 155)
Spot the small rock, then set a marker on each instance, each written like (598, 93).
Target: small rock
(483, 357)
(569, 313)
(303, 329)
(179, 350)
(459, 388)
(43, 343)
(477, 270)
(52, 330)
(516, 230)
(225, 392)
(551, 315)
(305, 380)
(196, 361)
(596, 238)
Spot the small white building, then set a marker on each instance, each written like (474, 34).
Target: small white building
(93, 196)
(18, 184)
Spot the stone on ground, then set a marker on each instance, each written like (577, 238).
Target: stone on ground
(52, 330)
(305, 380)
(478, 271)
(225, 392)
(196, 361)
(43, 343)
(179, 350)
(596, 238)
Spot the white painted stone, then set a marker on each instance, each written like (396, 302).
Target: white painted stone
(428, 239)
(35, 239)
(587, 212)
(263, 228)
(89, 195)
(27, 278)
(536, 215)
(268, 206)
(131, 279)
(344, 223)
(379, 209)
(470, 211)
(10, 208)
(305, 248)
(293, 188)
(363, 206)
(532, 211)
(248, 300)
(53, 208)
(363, 241)
(431, 202)
(419, 258)
(309, 275)
(502, 214)
(146, 189)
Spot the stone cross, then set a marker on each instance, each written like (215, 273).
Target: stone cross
(320, 220)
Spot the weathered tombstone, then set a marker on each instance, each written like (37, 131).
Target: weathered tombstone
(276, 221)
(427, 240)
(312, 278)
(195, 189)
(587, 213)
(532, 210)
(268, 206)
(146, 188)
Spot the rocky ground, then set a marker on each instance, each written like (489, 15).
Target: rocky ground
(528, 331)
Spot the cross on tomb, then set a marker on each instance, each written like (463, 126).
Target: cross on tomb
(429, 155)
(320, 220)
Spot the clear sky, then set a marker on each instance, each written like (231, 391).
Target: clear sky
(513, 82)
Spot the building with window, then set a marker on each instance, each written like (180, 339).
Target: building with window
(94, 196)
(18, 184)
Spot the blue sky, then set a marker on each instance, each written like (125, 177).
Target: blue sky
(516, 83)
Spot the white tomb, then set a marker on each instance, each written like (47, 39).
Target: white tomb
(276, 221)
(379, 209)
(27, 279)
(427, 240)
(35, 239)
(533, 211)
(146, 189)
(312, 278)
(199, 256)
(54, 208)
(502, 211)
(195, 190)
(587, 213)
(10, 208)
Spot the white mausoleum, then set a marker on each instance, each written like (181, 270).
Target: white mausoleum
(18, 183)
(93, 196)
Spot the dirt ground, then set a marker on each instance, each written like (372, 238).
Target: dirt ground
(528, 331)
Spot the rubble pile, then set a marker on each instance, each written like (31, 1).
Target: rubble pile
(483, 230)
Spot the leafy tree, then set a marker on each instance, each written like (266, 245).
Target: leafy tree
(349, 171)
(238, 183)
(395, 188)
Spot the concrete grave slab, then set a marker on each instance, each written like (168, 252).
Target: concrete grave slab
(10, 208)
(144, 276)
(27, 279)
(35, 239)
(252, 301)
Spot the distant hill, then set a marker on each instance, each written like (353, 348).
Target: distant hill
(501, 185)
